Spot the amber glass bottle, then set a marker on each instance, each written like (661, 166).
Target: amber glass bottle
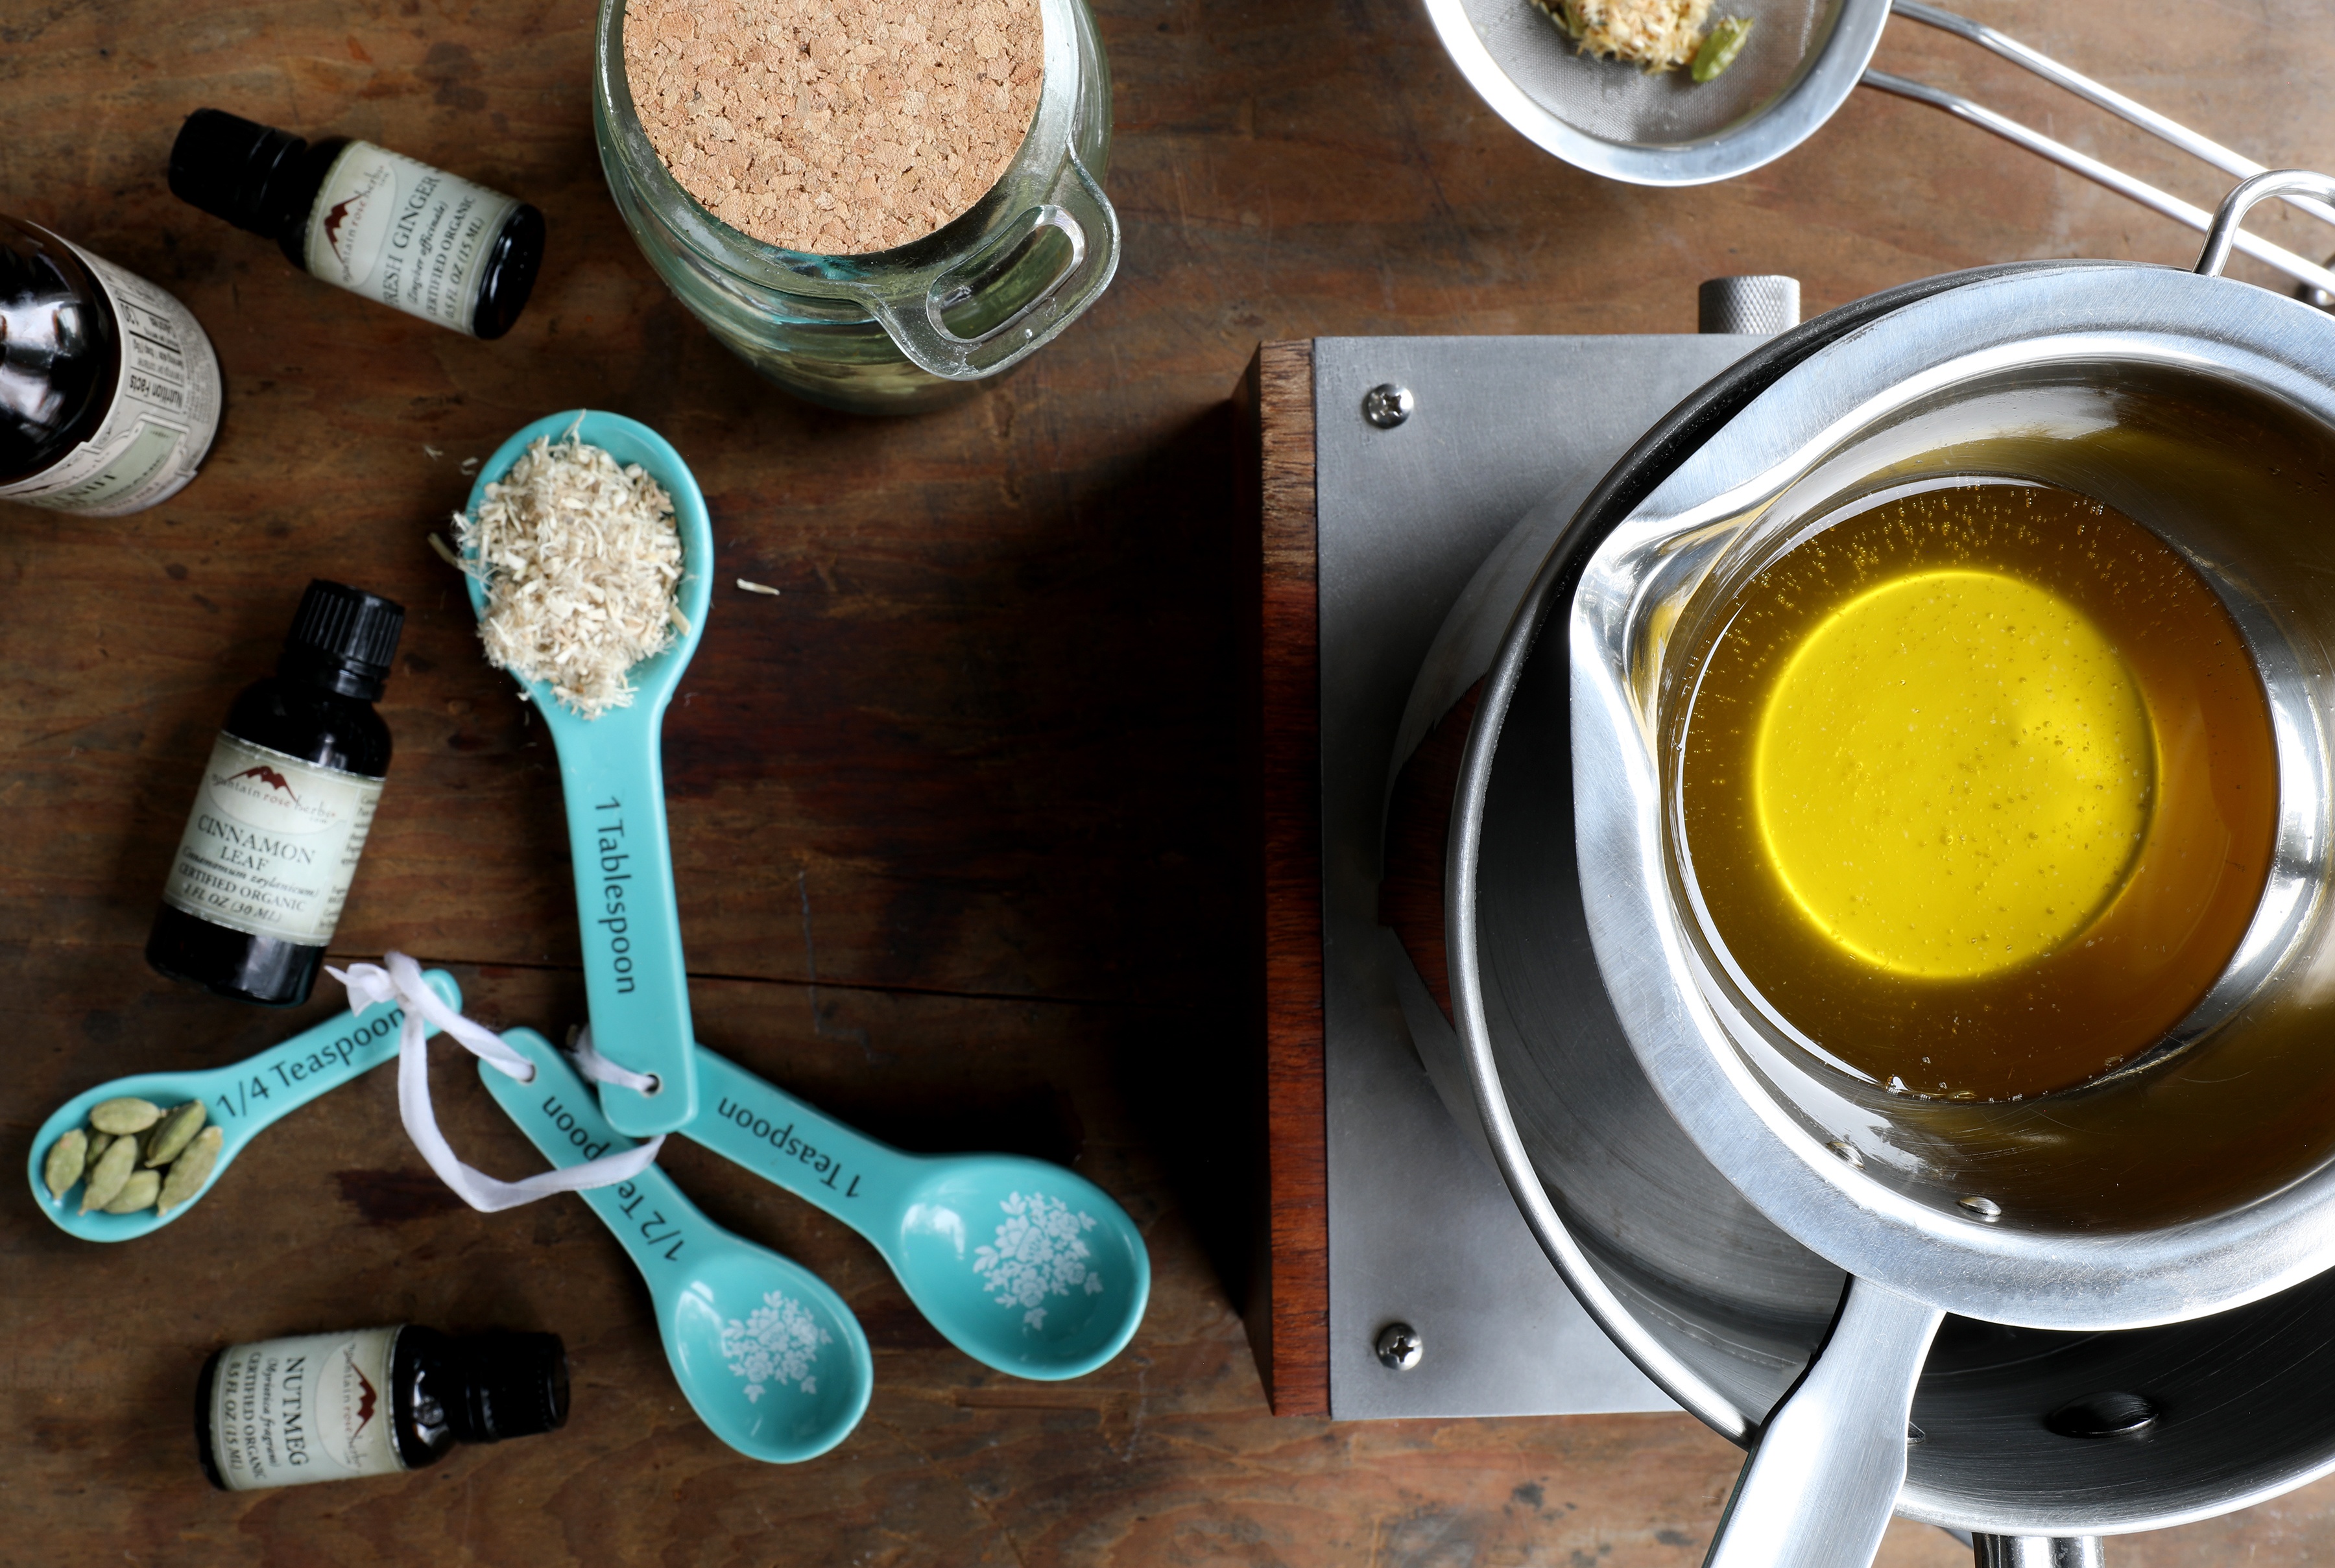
(371, 1402)
(286, 799)
(372, 222)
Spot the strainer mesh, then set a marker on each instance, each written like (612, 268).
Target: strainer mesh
(1618, 102)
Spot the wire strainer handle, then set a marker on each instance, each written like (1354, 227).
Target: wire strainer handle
(2164, 126)
(2225, 233)
(2090, 168)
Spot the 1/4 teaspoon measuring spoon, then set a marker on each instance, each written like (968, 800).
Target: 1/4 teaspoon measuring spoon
(1021, 1264)
(241, 1100)
(612, 777)
(770, 1358)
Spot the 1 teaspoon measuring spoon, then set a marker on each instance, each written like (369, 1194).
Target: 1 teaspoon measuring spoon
(770, 1358)
(1021, 1264)
(241, 1100)
(611, 777)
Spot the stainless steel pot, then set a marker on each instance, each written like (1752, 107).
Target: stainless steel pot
(1719, 1305)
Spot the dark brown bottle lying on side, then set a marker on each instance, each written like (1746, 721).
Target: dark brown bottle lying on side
(370, 1402)
(108, 390)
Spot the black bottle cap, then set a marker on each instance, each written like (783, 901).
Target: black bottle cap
(342, 638)
(514, 1385)
(233, 168)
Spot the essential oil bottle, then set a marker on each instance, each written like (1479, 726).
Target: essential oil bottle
(375, 222)
(370, 1402)
(285, 801)
(108, 390)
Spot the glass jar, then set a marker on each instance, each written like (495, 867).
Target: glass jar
(900, 330)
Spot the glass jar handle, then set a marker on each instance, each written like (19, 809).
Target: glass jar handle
(912, 314)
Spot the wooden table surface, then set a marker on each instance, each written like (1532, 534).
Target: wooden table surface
(956, 817)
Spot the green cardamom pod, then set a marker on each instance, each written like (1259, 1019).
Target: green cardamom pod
(191, 1169)
(97, 1147)
(125, 1116)
(68, 1157)
(138, 1192)
(1721, 45)
(106, 1177)
(173, 1133)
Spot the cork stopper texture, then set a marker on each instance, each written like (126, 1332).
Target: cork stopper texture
(829, 127)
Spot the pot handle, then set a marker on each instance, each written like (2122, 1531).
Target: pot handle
(2037, 1550)
(2232, 212)
(913, 315)
(1823, 1478)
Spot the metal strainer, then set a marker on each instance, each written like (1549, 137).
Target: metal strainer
(1803, 59)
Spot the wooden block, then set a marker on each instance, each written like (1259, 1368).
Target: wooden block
(1288, 1312)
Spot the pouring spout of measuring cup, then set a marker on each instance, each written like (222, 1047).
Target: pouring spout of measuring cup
(241, 1100)
(1824, 1477)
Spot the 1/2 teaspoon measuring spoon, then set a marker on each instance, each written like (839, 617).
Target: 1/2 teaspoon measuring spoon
(1022, 1265)
(241, 1100)
(770, 1358)
(612, 777)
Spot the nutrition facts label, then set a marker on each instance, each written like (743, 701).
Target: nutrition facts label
(165, 409)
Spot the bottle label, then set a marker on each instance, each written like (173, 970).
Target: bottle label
(317, 1408)
(164, 413)
(271, 844)
(408, 235)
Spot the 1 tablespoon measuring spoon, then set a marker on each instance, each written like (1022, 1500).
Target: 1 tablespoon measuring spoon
(241, 1100)
(1021, 1264)
(771, 1359)
(612, 777)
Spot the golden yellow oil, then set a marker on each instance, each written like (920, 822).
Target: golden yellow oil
(1979, 787)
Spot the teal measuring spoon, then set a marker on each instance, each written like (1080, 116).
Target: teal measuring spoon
(1021, 1264)
(241, 1100)
(770, 1358)
(611, 777)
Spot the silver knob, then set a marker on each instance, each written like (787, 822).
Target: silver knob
(1762, 303)
(1399, 1347)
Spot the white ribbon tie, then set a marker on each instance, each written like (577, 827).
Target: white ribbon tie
(398, 979)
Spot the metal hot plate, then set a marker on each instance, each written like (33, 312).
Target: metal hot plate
(1422, 1229)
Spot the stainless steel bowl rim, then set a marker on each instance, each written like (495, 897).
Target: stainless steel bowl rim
(1674, 438)
(1999, 1272)
(1830, 74)
(1698, 419)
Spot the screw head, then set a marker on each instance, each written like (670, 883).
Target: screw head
(1980, 1209)
(1387, 405)
(1399, 1347)
(1848, 1151)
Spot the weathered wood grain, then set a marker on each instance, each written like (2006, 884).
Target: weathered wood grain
(958, 815)
(1291, 1323)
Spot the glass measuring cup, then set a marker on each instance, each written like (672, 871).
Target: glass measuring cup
(921, 324)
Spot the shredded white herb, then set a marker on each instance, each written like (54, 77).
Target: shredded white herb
(581, 559)
(1652, 34)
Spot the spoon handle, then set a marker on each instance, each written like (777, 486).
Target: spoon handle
(252, 1095)
(662, 1230)
(809, 1153)
(635, 981)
